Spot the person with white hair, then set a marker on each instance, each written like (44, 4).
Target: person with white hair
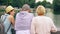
(42, 24)
(23, 20)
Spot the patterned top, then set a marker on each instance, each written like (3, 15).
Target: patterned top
(23, 20)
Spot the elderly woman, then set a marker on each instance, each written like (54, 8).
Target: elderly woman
(8, 19)
(42, 24)
(23, 20)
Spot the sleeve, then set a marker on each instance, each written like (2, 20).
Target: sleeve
(16, 19)
(53, 27)
(33, 26)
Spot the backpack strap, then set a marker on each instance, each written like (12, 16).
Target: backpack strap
(4, 21)
(8, 29)
(3, 17)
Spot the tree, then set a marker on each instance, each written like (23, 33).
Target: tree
(18, 3)
(31, 3)
(44, 3)
(38, 3)
(5, 2)
(48, 5)
(56, 6)
(1, 2)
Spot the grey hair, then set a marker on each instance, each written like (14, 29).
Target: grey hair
(26, 7)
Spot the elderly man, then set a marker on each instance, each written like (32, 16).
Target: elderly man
(23, 20)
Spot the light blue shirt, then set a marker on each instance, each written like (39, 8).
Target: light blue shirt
(6, 23)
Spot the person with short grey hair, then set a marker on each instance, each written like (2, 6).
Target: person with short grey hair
(26, 7)
(23, 20)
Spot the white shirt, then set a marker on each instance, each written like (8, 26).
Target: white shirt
(42, 25)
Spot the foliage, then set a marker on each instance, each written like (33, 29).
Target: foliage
(20, 3)
(56, 6)
(45, 4)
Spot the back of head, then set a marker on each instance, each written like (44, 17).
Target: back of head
(25, 7)
(40, 10)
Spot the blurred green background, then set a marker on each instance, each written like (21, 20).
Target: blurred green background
(52, 9)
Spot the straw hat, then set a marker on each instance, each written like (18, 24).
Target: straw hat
(9, 8)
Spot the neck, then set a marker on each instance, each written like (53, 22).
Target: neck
(26, 11)
(11, 14)
(40, 15)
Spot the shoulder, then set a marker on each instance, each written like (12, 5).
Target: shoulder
(10, 16)
(48, 18)
(35, 18)
(42, 17)
(17, 14)
(30, 14)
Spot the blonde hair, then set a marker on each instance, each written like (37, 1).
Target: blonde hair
(40, 10)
